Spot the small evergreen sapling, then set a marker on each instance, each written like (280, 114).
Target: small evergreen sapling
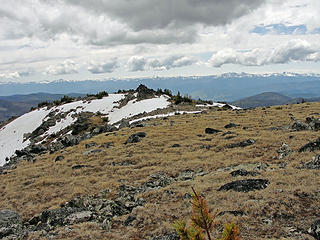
(202, 223)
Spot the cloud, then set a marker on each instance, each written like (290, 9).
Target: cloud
(160, 14)
(138, 63)
(9, 75)
(293, 50)
(171, 62)
(104, 67)
(67, 67)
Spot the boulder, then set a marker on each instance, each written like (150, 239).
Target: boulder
(299, 126)
(243, 172)
(311, 146)
(231, 125)
(313, 164)
(211, 131)
(59, 158)
(245, 185)
(136, 137)
(176, 145)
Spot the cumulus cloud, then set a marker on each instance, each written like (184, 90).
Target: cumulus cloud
(138, 63)
(104, 67)
(9, 75)
(294, 50)
(67, 67)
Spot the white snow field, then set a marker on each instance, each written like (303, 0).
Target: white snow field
(11, 135)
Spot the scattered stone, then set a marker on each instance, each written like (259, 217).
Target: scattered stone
(107, 145)
(91, 144)
(124, 163)
(284, 151)
(80, 166)
(243, 172)
(242, 144)
(313, 164)
(134, 138)
(227, 133)
(211, 131)
(10, 224)
(92, 151)
(311, 146)
(208, 147)
(129, 220)
(314, 230)
(186, 175)
(59, 158)
(176, 145)
(124, 123)
(231, 125)
(311, 123)
(245, 185)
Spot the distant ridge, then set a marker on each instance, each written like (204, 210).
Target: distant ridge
(270, 99)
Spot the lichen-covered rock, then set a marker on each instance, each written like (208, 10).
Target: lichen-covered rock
(136, 137)
(245, 185)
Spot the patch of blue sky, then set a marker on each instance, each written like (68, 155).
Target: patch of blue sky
(280, 29)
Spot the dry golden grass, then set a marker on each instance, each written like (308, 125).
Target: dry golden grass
(291, 200)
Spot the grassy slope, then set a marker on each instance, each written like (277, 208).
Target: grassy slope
(291, 200)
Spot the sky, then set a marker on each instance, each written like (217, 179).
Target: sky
(44, 40)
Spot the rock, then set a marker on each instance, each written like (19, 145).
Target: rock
(80, 166)
(69, 140)
(245, 185)
(313, 164)
(59, 158)
(9, 218)
(158, 180)
(134, 138)
(311, 146)
(313, 123)
(227, 133)
(231, 125)
(107, 225)
(186, 175)
(243, 172)
(124, 123)
(79, 217)
(284, 151)
(211, 131)
(91, 144)
(242, 144)
(107, 145)
(314, 230)
(10, 224)
(299, 126)
(176, 145)
(92, 151)
(108, 128)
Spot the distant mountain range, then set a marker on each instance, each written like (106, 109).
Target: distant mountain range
(17, 105)
(226, 87)
(270, 99)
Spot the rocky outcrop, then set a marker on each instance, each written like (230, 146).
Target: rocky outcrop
(211, 131)
(284, 151)
(243, 172)
(245, 185)
(11, 225)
